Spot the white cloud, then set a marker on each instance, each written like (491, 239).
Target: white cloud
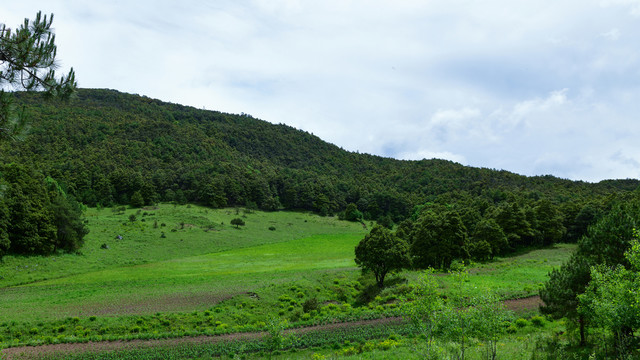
(613, 34)
(632, 5)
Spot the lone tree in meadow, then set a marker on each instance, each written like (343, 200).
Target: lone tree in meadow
(382, 252)
(237, 222)
(28, 62)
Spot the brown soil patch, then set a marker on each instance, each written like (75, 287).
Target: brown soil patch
(525, 304)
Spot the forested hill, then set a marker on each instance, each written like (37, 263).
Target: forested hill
(107, 147)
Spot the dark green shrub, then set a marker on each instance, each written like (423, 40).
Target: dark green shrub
(537, 321)
(521, 323)
(310, 305)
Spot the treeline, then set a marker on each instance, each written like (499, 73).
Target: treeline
(461, 226)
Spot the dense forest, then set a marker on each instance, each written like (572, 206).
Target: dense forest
(105, 148)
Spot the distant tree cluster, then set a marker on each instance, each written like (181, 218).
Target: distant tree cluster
(36, 215)
(457, 226)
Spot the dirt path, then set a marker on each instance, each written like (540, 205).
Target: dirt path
(27, 352)
(517, 305)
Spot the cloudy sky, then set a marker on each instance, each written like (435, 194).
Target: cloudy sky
(534, 87)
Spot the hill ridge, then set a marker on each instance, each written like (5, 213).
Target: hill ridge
(106, 146)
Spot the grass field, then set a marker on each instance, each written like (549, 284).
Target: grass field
(184, 270)
(189, 261)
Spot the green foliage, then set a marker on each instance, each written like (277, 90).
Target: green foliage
(607, 240)
(512, 218)
(118, 144)
(382, 252)
(604, 245)
(137, 200)
(5, 219)
(27, 61)
(549, 227)
(439, 238)
(237, 222)
(36, 216)
(490, 234)
(423, 310)
(537, 321)
(459, 318)
(560, 293)
(612, 299)
(351, 213)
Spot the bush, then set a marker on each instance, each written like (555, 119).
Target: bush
(310, 305)
(137, 200)
(136, 329)
(237, 222)
(537, 321)
(521, 323)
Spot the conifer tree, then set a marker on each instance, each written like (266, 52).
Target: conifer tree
(28, 62)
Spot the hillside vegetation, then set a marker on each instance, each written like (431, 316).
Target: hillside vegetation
(108, 147)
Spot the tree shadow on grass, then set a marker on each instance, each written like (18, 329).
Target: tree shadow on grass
(369, 289)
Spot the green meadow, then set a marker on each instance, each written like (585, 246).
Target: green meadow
(200, 253)
(172, 271)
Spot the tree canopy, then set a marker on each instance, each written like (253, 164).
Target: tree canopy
(381, 252)
(36, 215)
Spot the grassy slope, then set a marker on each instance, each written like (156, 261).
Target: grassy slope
(517, 276)
(143, 266)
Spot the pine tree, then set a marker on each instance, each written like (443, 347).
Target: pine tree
(28, 62)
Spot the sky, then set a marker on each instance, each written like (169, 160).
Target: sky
(533, 87)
